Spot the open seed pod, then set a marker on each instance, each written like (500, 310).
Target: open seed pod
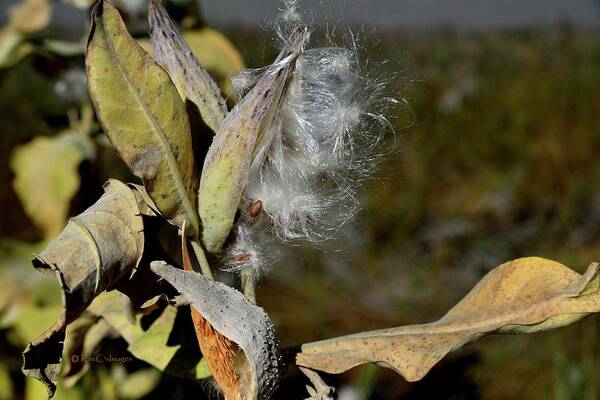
(258, 363)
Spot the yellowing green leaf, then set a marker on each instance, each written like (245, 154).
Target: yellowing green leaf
(236, 145)
(143, 116)
(138, 384)
(46, 177)
(521, 296)
(13, 47)
(190, 78)
(6, 386)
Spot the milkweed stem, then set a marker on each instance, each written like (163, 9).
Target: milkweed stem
(201, 257)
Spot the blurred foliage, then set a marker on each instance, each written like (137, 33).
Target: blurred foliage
(495, 160)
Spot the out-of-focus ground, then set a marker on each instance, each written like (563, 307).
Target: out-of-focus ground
(495, 157)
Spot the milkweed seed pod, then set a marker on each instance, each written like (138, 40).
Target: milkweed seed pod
(324, 143)
(242, 141)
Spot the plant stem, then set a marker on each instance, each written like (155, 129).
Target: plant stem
(201, 257)
(248, 286)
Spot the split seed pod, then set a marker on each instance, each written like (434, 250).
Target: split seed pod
(192, 81)
(230, 316)
(241, 141)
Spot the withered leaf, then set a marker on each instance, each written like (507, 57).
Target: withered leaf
(238, 143)
(82, 338)
(242, 322)
(522, 296)
(191, 79)
(143, 115)
(95, 250)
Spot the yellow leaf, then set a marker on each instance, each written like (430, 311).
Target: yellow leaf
(30, 15)
(522, 296)
(13, 47)
(46, 177)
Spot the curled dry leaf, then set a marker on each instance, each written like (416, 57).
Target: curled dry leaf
(234, 317)
(143, 115)
(522, 296)
(228, 160)
(191, 79)
(94, 251)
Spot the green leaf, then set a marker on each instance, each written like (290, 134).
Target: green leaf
(64, 48)
(138, 384)
(154, 344)
(143, 116)
(94, 251)
(241, 140)
(522, 296)
(46, 177)
(6, 386)
(20, 284)
(190, 78)
(13, 47)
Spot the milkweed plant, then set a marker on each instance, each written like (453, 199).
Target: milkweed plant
(283, 166)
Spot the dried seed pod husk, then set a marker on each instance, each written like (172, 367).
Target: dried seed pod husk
(258, 364)
(189, 76)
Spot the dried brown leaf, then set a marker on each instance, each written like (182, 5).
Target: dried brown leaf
(522, 296)
(95, 250)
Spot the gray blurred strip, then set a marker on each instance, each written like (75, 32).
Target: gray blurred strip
(416, 14)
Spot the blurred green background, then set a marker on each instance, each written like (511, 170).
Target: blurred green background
(494, 158)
